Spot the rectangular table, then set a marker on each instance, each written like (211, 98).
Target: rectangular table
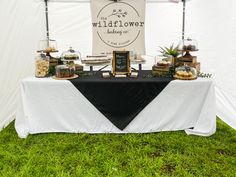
(48, 105)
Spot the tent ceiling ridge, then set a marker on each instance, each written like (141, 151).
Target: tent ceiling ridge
(88, 1)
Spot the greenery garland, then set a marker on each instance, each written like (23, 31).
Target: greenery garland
(204, 75)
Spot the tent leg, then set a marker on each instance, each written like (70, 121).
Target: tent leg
(47, 21)
(183, 27)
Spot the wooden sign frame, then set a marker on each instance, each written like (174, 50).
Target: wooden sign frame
(121, 63)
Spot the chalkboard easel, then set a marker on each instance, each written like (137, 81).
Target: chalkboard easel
(121, 63)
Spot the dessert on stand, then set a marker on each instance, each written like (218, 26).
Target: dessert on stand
(163, 64)
(96, 60)
(49, 46)
(186, 47)
(69, 69)
(185, 73)
(65, 72)
(70, 55)
(161, 68)
(69, 58)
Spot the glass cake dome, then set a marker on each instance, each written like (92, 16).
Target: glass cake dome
(185, 73)
(41, 65)
(188, 45)
(65, 71)
(163, 59)
(71, 55)
(47, 45)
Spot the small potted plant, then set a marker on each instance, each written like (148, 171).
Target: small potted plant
(170, 51)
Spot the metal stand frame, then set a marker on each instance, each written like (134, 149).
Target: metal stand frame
(47, 19)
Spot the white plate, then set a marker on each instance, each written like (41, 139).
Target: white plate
(95, 61)
(138, 61)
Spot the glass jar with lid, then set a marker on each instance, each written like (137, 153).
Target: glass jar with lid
(160, 58)
(48, 45)
(70, 55)
(41, 65)
(188, 45)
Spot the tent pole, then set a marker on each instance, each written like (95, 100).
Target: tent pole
(46, 14)
(183, 27)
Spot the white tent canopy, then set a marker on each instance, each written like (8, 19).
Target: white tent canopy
(211, 22)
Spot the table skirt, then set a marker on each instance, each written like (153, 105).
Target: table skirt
(47, 105)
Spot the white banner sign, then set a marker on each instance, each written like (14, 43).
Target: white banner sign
(118, 25)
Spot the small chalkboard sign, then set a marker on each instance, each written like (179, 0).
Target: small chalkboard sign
(121, 62)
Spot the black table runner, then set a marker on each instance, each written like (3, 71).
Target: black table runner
(120, 99)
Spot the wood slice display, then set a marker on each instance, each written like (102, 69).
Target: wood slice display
(65, 78)
(185, 78)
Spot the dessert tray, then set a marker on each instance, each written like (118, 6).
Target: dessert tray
(96, 60)
(137, 61)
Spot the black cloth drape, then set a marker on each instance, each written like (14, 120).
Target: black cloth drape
(120, 99)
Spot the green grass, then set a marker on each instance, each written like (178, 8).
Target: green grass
(131, 155)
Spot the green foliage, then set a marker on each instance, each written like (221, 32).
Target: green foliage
(172, 50)
(118, 155)
(204, 75)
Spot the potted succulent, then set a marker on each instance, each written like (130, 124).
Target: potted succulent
(170, 51)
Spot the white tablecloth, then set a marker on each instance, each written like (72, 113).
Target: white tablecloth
(48, 105)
